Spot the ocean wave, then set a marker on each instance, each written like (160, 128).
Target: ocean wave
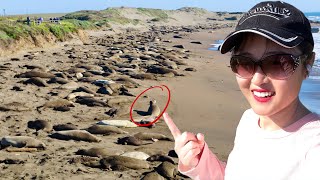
(314, 77)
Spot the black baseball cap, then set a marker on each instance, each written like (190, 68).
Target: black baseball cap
(276, 20)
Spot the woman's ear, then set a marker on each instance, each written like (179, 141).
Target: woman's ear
(309, 63)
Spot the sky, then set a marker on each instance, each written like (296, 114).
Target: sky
(11, 7)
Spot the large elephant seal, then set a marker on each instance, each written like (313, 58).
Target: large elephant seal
(78, 135)
(105, 130)
(122, 162)
(22, 141)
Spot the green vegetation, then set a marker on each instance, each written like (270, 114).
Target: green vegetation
(195, 10)
(13, 30)
(158, 14)
(102, 18)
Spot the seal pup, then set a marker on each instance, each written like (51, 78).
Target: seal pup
(40, 125)
(22, 141)
(122, 162)
(105, 130)
(136, 155)
(78, 135)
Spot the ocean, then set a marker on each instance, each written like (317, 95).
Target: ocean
(310, 90)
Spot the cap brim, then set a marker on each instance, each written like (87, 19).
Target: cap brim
(289, 41)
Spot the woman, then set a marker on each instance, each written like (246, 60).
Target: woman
(278, 138)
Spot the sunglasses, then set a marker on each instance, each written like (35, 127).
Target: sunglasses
(277, 66)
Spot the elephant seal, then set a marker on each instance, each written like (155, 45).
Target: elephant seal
(122, 162)
(130, 140)
(154, 109)
(118, 123)
(36, 81)
(153, 176)
(69, 86)
(167, 170)
(63, 127)
(161, 70)
(22, 141)
(105, 130)
(78, 135)
(58, 103)
(90, 101)
(34, 73)
(160, 157)
(118, 101)
(98, 152)
(151, 151)
(136, 155)
(151, 136)
(40, 125)
(144, 76)
(87, 90)
(58, 80)
(72, 96)
(172, 153)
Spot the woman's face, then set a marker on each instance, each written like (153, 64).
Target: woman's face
(269, 96)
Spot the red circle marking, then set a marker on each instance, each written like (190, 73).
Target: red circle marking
(165, 108)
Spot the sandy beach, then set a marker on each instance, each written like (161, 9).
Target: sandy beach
(206, 100)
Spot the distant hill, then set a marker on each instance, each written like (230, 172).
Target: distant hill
(148, 16)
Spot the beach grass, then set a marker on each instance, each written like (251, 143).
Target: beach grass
(15, 30)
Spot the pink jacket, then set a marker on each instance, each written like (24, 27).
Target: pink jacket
(290, 153)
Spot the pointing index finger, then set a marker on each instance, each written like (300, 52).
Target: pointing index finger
(173, 128)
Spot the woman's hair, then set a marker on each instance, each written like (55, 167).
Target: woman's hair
(307, 49)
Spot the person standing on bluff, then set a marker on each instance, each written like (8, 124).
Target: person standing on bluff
(278, 138)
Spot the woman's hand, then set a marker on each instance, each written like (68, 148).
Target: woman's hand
(188, 146)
